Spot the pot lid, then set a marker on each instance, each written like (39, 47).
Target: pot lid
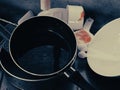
(104, 50)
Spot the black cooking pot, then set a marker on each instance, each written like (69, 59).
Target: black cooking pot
(41, 48)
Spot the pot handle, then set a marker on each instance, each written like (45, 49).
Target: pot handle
(78, 79)
(4, 32)
(6, 21)
(5, 35)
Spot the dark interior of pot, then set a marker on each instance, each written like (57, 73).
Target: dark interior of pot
(43, 42)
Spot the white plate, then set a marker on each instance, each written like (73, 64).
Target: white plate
(104, 50)
(60, 13)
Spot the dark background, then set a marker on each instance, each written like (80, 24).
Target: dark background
(102, 11)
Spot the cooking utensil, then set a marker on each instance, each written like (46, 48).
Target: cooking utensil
(56, 53)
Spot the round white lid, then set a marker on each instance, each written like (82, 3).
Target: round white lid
(104, 50)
